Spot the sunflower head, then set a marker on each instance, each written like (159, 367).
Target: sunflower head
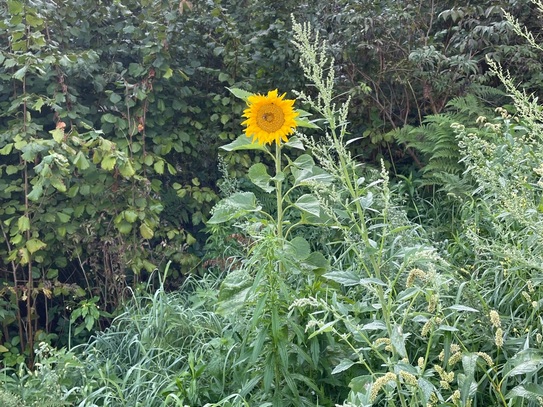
(269, 118)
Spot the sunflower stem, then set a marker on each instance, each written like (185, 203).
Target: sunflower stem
(278, 189)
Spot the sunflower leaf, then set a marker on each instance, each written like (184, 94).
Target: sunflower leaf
(243, 143)
(260, 177)
(303, 122)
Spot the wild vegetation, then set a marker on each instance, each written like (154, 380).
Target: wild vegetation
(165, 243)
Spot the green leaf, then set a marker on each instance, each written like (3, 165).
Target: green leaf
(15, 7)
(258, 174)
(109, 118)
(11, 169)
(19, 75)
(80, 161)
(159, 167)
(108, 162)
(115, 98)
(58, 184)
(23, 224)
(234, 291)
(240, 93)
(345, 278)
(299, 248)
(343, 365)
(398, 340)
(459, 307)
(64, 218)
(38, 104)
(295, 142)
(243, 143)
(234, 207)
(36, 192)
(58, 135)
(3, 349)
(530, 391)
(308, 203)
(145, 231)
(126, 169)
(168, 74)
(303, 122)
(33, 245)
(6, 149)
(130, 215)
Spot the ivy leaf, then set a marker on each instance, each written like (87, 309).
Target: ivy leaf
(259, 176)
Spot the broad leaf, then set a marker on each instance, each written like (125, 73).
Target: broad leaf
(258, 174)
(243, 143)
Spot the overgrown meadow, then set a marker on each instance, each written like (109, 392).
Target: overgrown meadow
(310, 275)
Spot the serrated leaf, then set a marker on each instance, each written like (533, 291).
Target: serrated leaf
(58, 135)
(295, 142)
(258, 174)
(58, 184)
(36, 192)
(63, 218)
(308, 203)
(303, 122)
(243, 143)
(234, 291)
(126, 169)
(240, 93)
(80, 161)
(108, 162)
(23, 224)
(299, 248)
(33, 245)
(20, 73)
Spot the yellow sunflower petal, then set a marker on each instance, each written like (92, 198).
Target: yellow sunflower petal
(269, 118)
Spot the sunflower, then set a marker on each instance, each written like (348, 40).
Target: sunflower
(269, 118)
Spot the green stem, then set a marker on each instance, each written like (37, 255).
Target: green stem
(278, 190)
